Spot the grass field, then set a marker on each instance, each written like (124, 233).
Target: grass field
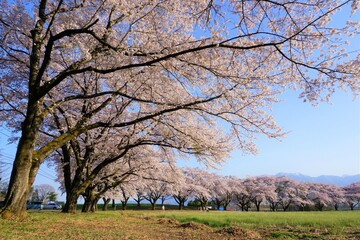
(190, 224)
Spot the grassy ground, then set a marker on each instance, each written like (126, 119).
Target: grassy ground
(172, 224)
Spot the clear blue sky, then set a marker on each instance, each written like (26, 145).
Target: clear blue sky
(322, 140)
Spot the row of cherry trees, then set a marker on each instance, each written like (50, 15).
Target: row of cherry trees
(275, 192)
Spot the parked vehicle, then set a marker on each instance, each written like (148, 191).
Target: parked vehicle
(34, 205)
(54, 206)
(40, 205)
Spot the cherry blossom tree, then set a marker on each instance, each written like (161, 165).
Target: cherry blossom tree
(286, 191)
(301, 195)
(337, 195)
(271, 196)
(174, 68)
(223, 190)
(320, 195)
(125, 190)
(241, 195)
(202, 183)
(181, 191)
(157, 182)
(352, 195)
(139, 196)
(82, 170)
(262, 188)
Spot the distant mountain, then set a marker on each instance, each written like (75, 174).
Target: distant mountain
(336, 180)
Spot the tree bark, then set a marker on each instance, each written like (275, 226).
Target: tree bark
(124, 203)
(106, 203)
(71, 203)
(24, 170)
(90, 205)
(113, 204)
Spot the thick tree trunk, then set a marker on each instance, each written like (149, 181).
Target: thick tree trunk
(106, 203)
(90, 205)
(71, 203)
(87, 206)
(23, 173)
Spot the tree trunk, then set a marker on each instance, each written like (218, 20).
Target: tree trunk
(257, 204)
(113, 204)
(106, 203)
(181, 205)
(226, 204)
(87, 206)
(218, 204)
(123, 204)
(73, 192)
(23, 174)
(90, 205)
(71, 204)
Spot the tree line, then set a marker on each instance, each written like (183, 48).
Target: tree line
(203, 187)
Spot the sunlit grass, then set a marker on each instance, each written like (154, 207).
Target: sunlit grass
(121, 224)
(287, 224)
(221, 219)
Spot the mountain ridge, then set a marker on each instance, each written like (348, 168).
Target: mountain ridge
(328, 179)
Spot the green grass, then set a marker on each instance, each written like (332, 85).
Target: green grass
(277, 224)
(252, 219)
(117, 224)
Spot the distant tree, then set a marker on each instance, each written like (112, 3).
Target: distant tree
(154, 193)
(139, 196)
(337, 195)
(3, 189)
(194, 203)
(352, 195)
(43, 192)
(222, 191)
(301, 195)
(35, 195)
(126, 190)
(286, 192)
(52, 196)
(242, 196)
(202, 183)
(270, 193)
(125, 196)
(181, 189)
(319, 194)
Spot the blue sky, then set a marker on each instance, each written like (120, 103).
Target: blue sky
(321, 140)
